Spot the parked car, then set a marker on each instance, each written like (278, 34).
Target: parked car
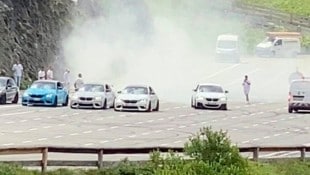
(46, 93)
(98, 96)
(299, 95)
(227, 47)
(9, 92)
(137, 98)
(209, 96)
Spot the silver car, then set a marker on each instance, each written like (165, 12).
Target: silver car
(98, 96)
(137, 98)
(209, 96)
(8, 90)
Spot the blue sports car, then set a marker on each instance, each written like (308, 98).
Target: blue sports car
(46, 93)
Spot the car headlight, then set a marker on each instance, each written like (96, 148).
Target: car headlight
(98, 98)
(26, 94)
(199, 97)
(49, 96)
(223, 99)
(74, 97)
(118, 100)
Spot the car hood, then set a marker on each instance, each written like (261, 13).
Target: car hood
(264, 45)
(132, 96)
(37, 91)
(89, 94)
(211, 95)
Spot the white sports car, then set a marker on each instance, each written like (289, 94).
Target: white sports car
(98, 96)
(137, 98)
(209, 96)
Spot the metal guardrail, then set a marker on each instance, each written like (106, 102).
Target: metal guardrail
(44, 162)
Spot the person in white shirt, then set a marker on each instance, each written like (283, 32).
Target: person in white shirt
(17, 72)
(66, 79)
(246, 88)
(78, 82)
(49, 73)
(41, 74)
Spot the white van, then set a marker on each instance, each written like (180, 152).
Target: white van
(227, 46)
(280, 44)
(299, 95)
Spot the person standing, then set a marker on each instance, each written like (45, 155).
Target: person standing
(78, 82)
(246, 88)
(67, 79)
(17, 72)
(41, 74)
(49, 73)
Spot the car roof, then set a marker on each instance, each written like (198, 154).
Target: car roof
(47, 81)
(228, 37)
(300, 80)
(209, 84)
(137, 85)
(5, 78)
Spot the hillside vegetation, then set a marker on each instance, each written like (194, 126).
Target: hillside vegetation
(299, 7)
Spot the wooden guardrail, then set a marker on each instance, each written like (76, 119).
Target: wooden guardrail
(272, 14)
(44, 162)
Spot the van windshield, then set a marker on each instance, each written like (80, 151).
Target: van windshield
(227, 44)
(300, 86)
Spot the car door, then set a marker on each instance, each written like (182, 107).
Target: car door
(109, 95)
(61, 93)
(11, 90)
(153, 97)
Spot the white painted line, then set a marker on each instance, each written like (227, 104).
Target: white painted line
(139, 123)
(150, 121)
(265, 123)
(33, 129)
(37, 119)
(16, 113)
(170, 129)
(9, 122)
(276, 135)
(74, 134)
(61, 124)
(145, 133)
(17, 131)
(41, 139)
(214, 120)
(194, 124)
(235, 129)
(57, 137)
(177, 107)
(164, 144)
(8, 144)
(297, 130)
(287, 132)
(87, 132)
(255, 139)
(114, 127)
(104, 141)
(27, 141)
(266, 137)
(158, 131)
(182, 126)
(234, 117)
(22, 121)
(127, 125)
(46, 127)
(178, 141)
(182, 115)
(101, 129)
(282, 119)
(118, 139)
(224, 119)
(255, 125)
(99, 119)
(273, 121)
(132, 136)
(192, 114)
(88, 144)
(247, 141)
(64, 115)
(159, 119)
(245, 127)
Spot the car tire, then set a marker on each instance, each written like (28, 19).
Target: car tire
(223, 107)
(66, 102)
(116, 110)
(55, 102)
(3, 99)
(15, 101)
(149, 109)
(157, 106)
(192, 104)
(290, 110)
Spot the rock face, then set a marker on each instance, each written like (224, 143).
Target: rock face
(31, 31)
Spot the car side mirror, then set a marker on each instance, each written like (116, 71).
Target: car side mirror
(108, 90)
(226, 92)
(119, 92)
(195, 90)
(9, 85)
(152, 93)
(60, 88)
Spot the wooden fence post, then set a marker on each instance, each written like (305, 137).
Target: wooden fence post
(100, 159)
(44, 160)
(303, 154)
(255, 154)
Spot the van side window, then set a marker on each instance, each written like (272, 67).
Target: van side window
(278, 43)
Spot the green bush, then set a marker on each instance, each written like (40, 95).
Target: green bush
(9, 169)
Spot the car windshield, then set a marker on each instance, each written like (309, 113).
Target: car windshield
(44, 85)
(300, 86)
(227, 44)
(2, 82)
(209, 88)
(92, 88)
(135, 90)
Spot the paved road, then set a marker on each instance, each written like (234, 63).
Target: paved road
(263, 122)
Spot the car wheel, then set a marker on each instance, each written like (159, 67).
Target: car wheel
(3, 99)
(15, 101)
(157, 106)
(149, 109)
(66, 102)
(223, 107)
(192, 104)
(55, 102)
(290, 110)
